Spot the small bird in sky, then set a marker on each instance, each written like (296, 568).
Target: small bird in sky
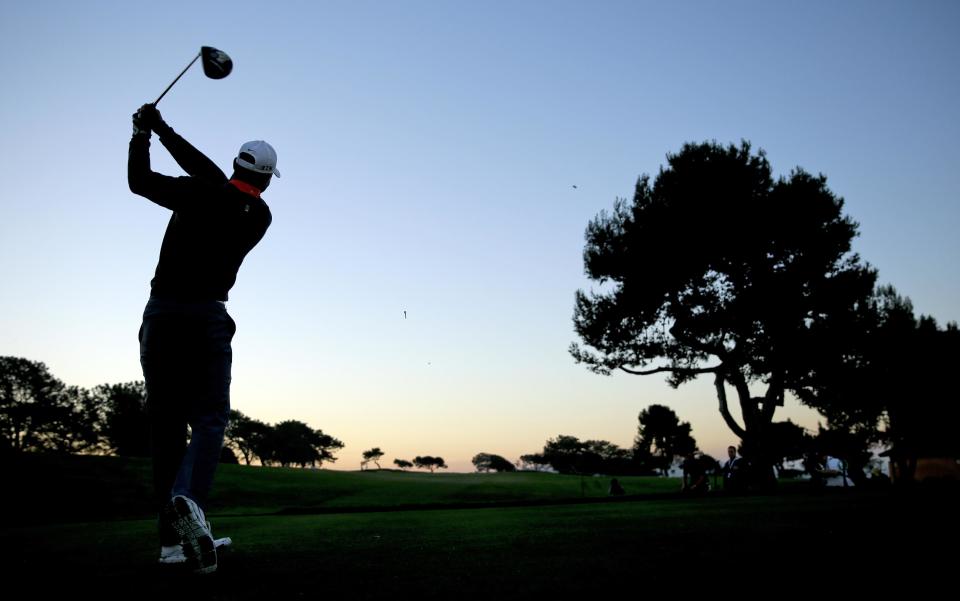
(404, 314)
(574, 186)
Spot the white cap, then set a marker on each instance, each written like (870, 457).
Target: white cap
(258, 156)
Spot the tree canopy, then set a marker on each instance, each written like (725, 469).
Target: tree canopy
(718, 268)
(250, 437)
(487, 462)
(126, 426)
(429, 462)
(373, 455)
(662, 436)
(39, 412)
(569, 455)
(896, 389)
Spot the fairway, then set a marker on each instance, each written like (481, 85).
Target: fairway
(852, 541)
(107, 488)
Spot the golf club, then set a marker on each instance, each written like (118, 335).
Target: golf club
(216, 65)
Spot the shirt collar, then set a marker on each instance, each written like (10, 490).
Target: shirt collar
(245, 187)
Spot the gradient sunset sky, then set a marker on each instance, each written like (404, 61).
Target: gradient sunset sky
(429, 152)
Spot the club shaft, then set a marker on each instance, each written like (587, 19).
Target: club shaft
(178, 77)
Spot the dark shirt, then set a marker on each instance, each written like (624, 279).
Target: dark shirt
(213, 227)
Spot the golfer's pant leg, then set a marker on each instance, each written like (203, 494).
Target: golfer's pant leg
(160, 339)
(209, 407)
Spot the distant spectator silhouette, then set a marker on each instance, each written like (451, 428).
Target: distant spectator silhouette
(695, 479)
(615, 489)
(733, 471)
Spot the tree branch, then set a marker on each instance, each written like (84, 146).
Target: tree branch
(676, 370)
(747, 404)
(710, 349)
(725, 410)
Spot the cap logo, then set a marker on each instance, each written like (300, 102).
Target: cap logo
(258, 156)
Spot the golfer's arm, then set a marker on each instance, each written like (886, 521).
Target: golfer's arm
(138, 165)
(190, 159)
(164, 190)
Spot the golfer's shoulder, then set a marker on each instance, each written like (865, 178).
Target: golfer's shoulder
(203, 185)
(264, 210)
(247, 206)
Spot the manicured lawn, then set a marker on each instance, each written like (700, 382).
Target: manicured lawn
(852, 542)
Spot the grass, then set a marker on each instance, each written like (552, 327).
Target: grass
(112, 487)
(856, 542)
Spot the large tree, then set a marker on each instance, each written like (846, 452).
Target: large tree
(73, 424)
(716, 268)
(897, 389)
(126, 425)
(570, 455)
(326, 446)
(250, 437)
(662, 436)
(293, 442)
(566, 454)
(38, 412)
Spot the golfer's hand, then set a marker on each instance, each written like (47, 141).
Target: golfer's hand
(153, 120)
(141, 124)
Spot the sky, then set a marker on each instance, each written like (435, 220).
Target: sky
(429, 152)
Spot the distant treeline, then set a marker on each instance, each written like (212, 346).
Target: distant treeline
(39, 413)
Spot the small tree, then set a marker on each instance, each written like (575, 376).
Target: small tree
(373, 455)
(402, 463)
(486, 462)
(663, 436)
(430, 463)
(534, 461)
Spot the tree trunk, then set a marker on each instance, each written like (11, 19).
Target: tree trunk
(757, 416)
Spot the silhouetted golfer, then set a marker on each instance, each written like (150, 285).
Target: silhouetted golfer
(186, 333)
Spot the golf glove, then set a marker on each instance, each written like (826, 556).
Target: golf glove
(148, 118)
(140, 124)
